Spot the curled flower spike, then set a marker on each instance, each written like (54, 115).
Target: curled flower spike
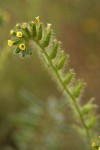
(10, 42)
(52, 54)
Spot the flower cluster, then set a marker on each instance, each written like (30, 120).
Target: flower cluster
(23, 33)
(96, 146)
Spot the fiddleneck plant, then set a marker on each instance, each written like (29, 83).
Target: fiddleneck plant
(34, 35)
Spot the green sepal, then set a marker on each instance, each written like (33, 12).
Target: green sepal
(33, 29)
(39, 32)
(91, 121)
(69, 77)
(17, 50)
(88, 108)
(26, 30)
(17, 42)
(61, 62)
(54, 49)
(46, 41)
(78, 88)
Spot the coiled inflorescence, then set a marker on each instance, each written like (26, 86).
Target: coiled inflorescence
(56, 59)
(23, 33)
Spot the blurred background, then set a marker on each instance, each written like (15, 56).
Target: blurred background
(34, 114)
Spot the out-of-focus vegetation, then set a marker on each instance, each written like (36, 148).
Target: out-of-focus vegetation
(29, 117)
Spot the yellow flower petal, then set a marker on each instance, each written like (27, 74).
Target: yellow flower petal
(10, 42)
(22, 47)
(37, 19)
(11, 32)
(19, 34)
(93, 144)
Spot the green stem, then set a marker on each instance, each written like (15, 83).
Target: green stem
(67, 92)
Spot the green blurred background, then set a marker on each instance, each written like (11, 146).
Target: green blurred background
(33, 112)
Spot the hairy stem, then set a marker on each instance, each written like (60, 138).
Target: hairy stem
(67, 92)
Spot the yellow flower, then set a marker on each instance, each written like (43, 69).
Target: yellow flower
(32, 22)
(22, 47)
(24, 25)
(37, 19)
(93, 144)
(99, 137)
(11, 32)
(49, 26)
(99, 148)
(10, 42)
(19, 34)
(17, 26)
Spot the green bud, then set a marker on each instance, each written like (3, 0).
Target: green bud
(69, 77)
(33, 28)
(46, 40)
(91, 121)
(39, 32)
(88, 108)
(61, 62)
(25, 28)
(54, 49)
(78, 88)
